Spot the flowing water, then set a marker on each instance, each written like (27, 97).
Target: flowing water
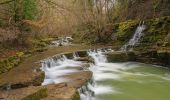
(135, 39)
(111, 81)
(62, 41)
(128, 80)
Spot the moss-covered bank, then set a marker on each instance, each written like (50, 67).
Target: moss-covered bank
(151, 57)
(156, 35)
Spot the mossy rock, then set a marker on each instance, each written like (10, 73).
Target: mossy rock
(82, 53)
(40, 94)
(76, 96)
(117, 57)
(131, 56)
(11, 62)
(39, 79)
(164, 57)
(69, 55)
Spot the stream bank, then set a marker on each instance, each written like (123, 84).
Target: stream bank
(154, 57)
(28, 74)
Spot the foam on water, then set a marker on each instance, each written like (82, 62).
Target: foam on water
(56, 69)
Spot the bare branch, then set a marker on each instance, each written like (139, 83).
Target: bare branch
(6, 2)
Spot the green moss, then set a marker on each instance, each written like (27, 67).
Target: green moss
(120, 31)
(11, 62)
(157, 31)
(126, 30)
(76, 96)
(117, 57)
(42, 93)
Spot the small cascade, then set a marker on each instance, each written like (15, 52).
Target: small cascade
(86, 92)
(76, 55)
(89, 91)
(105, 74)
(135, 39)
(98, 55)
(62, 41)
(56, 68)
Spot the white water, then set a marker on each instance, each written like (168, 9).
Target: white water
(135, 39)
(57, 67)
(75, 55)
(102, 70)
(63, 41)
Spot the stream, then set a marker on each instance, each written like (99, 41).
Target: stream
(111, 81)
(128, 80)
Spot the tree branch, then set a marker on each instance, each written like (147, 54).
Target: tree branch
(6, 2)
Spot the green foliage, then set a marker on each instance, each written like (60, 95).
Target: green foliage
(40, 94)
(121, 31)
(126, 29)
(157, 31)
(29, 9)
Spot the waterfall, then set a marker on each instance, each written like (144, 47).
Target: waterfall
(135, 39)
(89, 91)
(56, 68)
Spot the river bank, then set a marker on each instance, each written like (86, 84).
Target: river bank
(28, 72)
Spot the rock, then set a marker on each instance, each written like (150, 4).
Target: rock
(79, 79)
(27, 93)
(131, 56)
(62, 92)
(164, 57)
(69, 55)
(38, 95)
(117, 57)
(82, 53)
(86, 59)
(36, 81)
(51, 92)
